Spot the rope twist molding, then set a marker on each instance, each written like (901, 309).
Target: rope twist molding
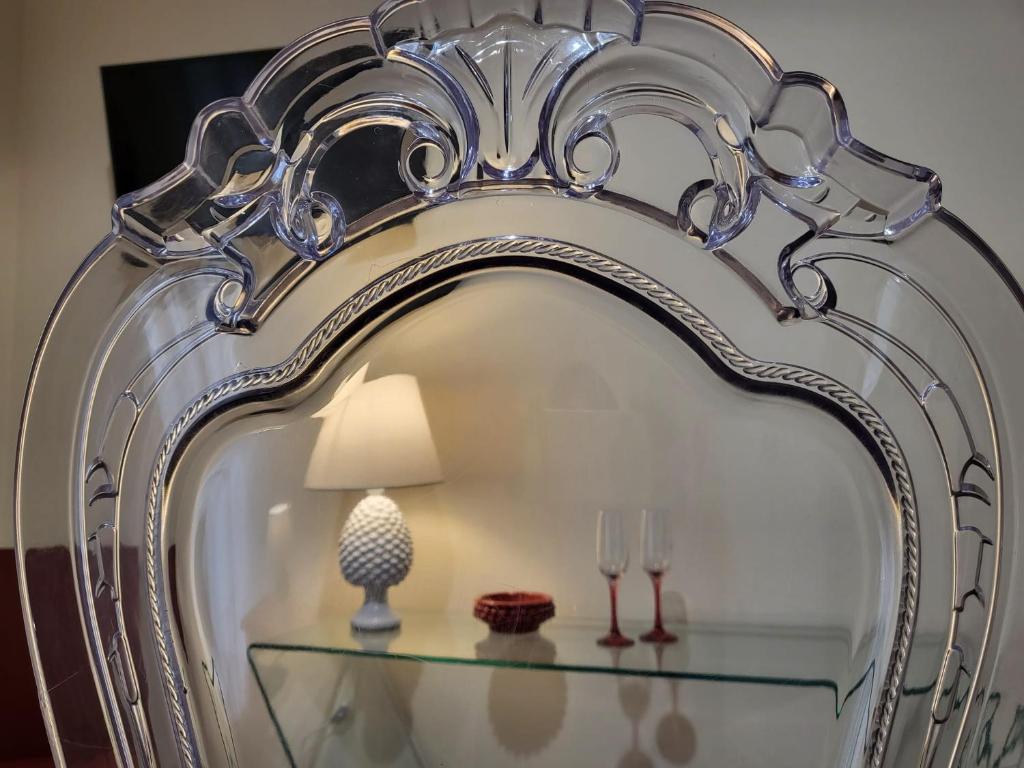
(334, 325)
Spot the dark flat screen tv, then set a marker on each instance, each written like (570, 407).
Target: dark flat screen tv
(150, 107)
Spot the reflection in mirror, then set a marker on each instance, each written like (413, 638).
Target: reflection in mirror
(483, 425)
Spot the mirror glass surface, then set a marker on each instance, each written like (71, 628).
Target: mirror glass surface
(547, 400)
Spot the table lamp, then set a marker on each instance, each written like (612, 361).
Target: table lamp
(375, 436)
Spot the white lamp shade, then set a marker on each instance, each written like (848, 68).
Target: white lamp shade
(377, 436)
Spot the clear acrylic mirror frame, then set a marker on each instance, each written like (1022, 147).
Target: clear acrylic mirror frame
(612, 156)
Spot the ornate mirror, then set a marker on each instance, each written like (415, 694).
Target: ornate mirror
(529, 384)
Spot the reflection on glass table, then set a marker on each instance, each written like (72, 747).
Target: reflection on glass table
(443, 689)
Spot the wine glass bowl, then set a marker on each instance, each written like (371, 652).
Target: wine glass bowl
(657, 541)
(612, 549)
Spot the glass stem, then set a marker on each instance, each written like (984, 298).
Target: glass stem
(656, 581)
(613, 593)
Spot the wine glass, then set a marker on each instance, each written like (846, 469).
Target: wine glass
(657, 541)
(612, 560)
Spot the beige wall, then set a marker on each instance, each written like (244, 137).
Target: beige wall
(10, 174)
(930, 82)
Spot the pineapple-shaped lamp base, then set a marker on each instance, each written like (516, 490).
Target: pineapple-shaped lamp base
(375, 552)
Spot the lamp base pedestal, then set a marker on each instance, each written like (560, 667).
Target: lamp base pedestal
(376, 615)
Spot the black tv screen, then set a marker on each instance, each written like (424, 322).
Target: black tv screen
(150, 108)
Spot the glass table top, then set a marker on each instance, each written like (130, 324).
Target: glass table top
(324, 685)
(778, 656)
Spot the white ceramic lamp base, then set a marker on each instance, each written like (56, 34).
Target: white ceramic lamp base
(375, 552)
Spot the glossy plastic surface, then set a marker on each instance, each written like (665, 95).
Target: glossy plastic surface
(632, 265)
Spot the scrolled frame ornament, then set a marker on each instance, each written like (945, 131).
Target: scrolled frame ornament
(576, 83)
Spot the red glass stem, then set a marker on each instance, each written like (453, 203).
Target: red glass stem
(656, 581)
(613, 593)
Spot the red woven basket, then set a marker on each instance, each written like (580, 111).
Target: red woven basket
(514, 612)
